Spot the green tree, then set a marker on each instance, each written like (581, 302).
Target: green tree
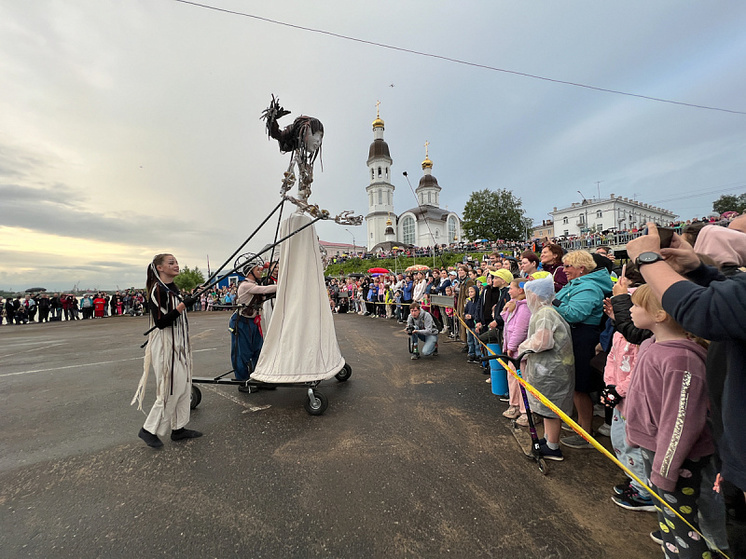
(189, 279)
(729, 202)
(495, 215)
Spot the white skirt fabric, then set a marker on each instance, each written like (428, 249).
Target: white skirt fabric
(300, 344)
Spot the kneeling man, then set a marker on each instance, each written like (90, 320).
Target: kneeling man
(421, 326)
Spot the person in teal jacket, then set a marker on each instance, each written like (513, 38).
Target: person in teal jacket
(581, 304)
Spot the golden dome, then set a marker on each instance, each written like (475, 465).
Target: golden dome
(388, 222)
(378, 123)
(427, 164)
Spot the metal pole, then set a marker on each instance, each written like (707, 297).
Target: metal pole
(207, 286)
(212, 277)
(354, 248)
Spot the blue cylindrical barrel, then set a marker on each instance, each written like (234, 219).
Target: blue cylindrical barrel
(498, 374)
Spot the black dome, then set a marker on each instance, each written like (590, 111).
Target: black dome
(378, 148)
(428, 180)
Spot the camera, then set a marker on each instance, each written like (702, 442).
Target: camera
(410, 330)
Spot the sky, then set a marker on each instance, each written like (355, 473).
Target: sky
(131, 127)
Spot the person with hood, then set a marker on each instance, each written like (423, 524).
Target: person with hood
(727, 247)
(667, 418)
(549, 368)
(581, 304)
(472, 312)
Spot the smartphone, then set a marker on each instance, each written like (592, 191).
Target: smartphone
(665, 234)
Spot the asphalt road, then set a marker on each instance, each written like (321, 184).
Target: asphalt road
(411, 459)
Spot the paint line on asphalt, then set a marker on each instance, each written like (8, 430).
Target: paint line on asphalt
(79, 365)
(30, 350)
(234, 399)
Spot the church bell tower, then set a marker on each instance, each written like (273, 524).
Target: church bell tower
(380, 190)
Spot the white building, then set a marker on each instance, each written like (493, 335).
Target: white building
(424, 225)
(608, 214)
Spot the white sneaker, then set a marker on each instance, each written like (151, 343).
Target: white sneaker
(513, 413)
(604, 430)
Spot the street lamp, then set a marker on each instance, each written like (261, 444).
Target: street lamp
(354, 248)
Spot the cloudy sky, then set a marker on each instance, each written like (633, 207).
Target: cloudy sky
(131, 127)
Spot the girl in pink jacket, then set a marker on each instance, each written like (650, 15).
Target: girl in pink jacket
(516, 316)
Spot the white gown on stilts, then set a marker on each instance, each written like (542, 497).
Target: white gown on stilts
(300, 344)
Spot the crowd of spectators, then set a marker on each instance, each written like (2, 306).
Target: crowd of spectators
(45, 307)
(655, 346)
(587, 240)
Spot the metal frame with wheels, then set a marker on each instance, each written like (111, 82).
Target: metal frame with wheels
(315, 404)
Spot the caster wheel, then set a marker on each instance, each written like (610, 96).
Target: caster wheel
(543, 468)
(344, 374)
(195, 398)
(316, 403)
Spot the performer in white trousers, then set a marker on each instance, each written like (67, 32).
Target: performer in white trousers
(170, 354)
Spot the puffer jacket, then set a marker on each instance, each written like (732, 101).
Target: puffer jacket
(516, 325)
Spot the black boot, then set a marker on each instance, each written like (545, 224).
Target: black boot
(149, 438)
(183, 433)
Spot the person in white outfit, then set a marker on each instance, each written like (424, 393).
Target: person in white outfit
(170, 354)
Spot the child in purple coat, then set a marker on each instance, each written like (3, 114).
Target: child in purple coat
(516, 316)
(667, 418)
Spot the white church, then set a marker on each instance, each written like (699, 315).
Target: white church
(425, 225)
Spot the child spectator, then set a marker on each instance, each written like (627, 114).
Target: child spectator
(388, 298)
(449, 312)
(550, 367)
(399, 311)
(667, 418)
(471, 311)
(516, 317)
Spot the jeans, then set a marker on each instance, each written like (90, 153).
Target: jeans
(630, 456)
(472, 344)
(429, 339)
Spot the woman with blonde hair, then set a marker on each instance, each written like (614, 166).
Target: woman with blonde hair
(581, 304)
